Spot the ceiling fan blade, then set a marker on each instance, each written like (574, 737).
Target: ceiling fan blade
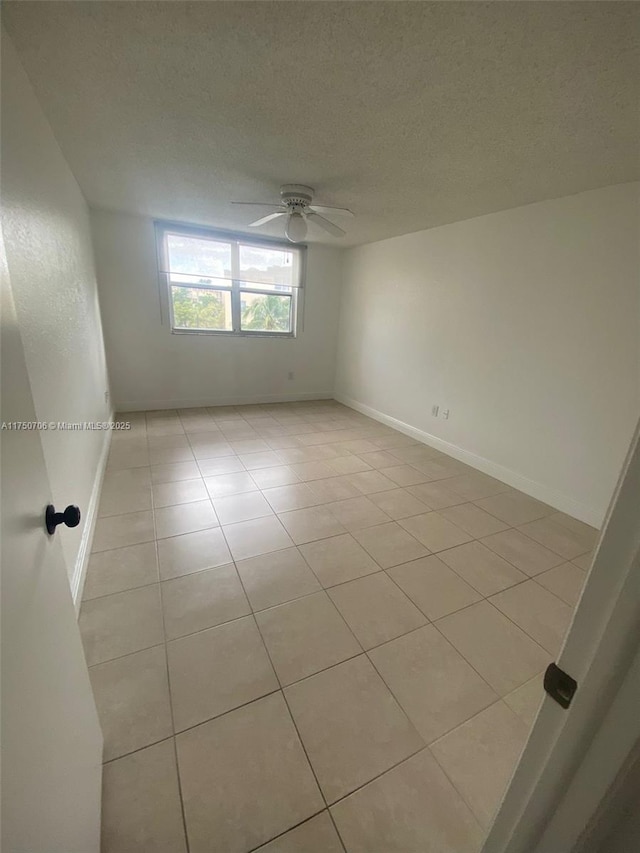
(267, 218)
(258, 203)
(341, 211)
(329, 227)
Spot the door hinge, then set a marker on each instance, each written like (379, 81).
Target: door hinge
(559, 685)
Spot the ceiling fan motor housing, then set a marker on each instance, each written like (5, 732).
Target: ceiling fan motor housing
(296, 196)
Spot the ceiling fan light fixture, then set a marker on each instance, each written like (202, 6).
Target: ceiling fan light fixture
(296, 228)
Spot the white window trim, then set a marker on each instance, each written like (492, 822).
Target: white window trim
(162, 228)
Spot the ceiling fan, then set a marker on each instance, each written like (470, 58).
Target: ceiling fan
(296, 203)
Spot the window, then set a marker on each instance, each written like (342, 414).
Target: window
(219, 283)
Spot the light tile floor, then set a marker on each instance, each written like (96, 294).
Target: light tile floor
(308, 633)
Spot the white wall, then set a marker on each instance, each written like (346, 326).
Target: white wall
(524, 323)
(150, 368)
(615, 826)
(47, 237)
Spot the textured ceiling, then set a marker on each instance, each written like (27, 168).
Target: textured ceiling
(413, 114)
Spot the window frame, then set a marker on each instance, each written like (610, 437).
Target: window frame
(235, 240)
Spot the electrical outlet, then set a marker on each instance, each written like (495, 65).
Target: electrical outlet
(106, 396)
(435, 410)
(291, 374)
(445, 414)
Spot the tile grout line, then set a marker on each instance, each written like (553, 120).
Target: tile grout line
(138, 749)
(196, 725)
(428, 744)
(170, 696)
(485, 829)
(304, 749)
(263, 844)
(291, 717)
(443, 635)
(382, 773)
(300, 736)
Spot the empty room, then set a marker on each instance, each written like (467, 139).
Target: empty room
(321, 326)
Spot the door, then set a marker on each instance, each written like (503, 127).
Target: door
(574, 757)
(51, 738)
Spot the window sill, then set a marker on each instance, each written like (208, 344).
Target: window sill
(213, 333)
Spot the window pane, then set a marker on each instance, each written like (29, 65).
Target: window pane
(271, 267)
(196, 308)
(265, 313)
(270, 288)
(198, 257)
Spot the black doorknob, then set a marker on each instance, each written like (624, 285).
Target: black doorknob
(70, 517)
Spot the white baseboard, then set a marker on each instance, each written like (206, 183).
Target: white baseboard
(197, 403)
(550, 496)
(82, 560)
